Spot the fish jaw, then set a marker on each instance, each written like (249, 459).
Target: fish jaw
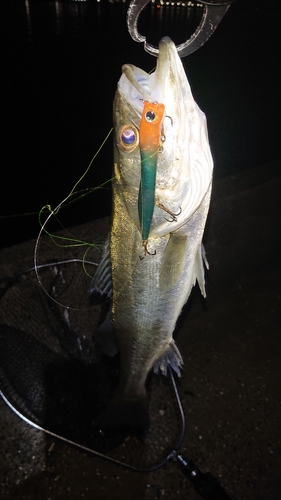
(149, 293)
(184, 168)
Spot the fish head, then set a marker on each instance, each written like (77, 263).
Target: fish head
(184, 153)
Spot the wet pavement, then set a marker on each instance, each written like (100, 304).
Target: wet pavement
(230, 388)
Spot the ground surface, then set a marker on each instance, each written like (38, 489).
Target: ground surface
(230, 387)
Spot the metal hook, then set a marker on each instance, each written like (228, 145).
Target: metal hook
(213, 13)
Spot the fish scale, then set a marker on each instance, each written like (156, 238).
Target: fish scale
(152, 279)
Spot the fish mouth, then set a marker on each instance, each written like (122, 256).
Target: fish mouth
(137, 86)
(164, 87)
(146, 94)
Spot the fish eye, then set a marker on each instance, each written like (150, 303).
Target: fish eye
(150, 116)
(128, 138)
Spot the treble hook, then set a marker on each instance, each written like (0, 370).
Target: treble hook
(213, 13)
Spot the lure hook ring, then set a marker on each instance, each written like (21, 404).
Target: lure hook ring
(213, 12)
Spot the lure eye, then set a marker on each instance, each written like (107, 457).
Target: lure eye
(150, 116)
(128, 138)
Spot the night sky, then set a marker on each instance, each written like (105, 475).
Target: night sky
(60, 65)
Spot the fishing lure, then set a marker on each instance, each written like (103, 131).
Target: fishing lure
(150, 137)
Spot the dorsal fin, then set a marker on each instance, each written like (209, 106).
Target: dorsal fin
(200, 260)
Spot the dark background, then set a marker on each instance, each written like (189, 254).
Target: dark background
(60, 65)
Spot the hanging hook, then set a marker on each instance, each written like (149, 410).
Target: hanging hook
(213, 13)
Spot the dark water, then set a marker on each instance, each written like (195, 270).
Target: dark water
(60, 64)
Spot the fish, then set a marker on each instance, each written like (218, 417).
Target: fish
(162, 182)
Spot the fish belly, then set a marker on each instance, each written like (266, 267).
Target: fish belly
(149, 292)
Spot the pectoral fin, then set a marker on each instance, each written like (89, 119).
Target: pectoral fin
(101, 285)
(173, 261)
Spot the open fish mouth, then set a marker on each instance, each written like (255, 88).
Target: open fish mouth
(137, 85)
(184, 167)
(146, 93)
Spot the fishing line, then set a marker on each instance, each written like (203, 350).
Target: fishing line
(54, 264)
(59, 263)
(53, 213)
(169, 456)
(84, 261)
(72, 242)
(37, 266)
(67, 202)
(54, 237)
(14, 216)
(26, 214)
(90, 164)
(205, 484)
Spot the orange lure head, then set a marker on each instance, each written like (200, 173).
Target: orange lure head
(150, 126)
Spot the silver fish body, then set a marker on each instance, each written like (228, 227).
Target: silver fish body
(150, 291)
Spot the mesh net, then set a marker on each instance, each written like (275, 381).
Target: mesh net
(55, 374)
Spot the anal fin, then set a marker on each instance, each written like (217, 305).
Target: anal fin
(171, 357)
